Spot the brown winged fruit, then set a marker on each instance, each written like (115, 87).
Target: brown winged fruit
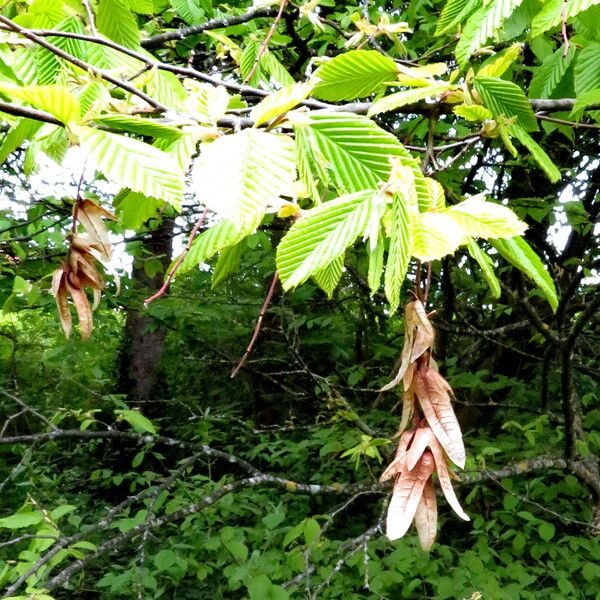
(79, 271)
(431, 444)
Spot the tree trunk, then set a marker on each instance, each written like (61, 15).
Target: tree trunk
(144, 338)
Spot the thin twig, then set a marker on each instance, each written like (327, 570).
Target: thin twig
(90, 16)
(177, 264)
(257, 327)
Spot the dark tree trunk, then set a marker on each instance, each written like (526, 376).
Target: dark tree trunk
(144, 338)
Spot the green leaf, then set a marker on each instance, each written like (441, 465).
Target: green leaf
(189, 10)
(520, 254)
(399, 250)
(548, 76)
(165, 559)
(260, 168)
(135, 209)
(322, 235)
(472, 112)
(312, 530)
(546, 531)
(394, 101)
(375, 266)
(55, 99)
(435, 235)
(116, 21)
(280, 102)
(229, 261)
(554, 11)
(538, 153)
(137, 420)
(138, 125)
(23, 130)
(587, 73)
(209, 242)
(134, 164)
(350, 150)
(261, 588)
(483, 25)
(590, 98)
(499, 63)
(478, 218)
(276, 70)
(354, 74)
(507, 99)
(329, 277)
(486, 265)
(22, 519)
(453, 13)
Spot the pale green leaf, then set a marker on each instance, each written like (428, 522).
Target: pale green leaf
(322, 235)
(482, 26)
(477, 218)
(133, 164)
(180, 147)
(375, 265)
(206, 102)
(590, 98)
(499, 63)
(587, 71)
(554, 11)
(435, 235)
(22, 519)
(259, 168)
(329, 277)
(55, 99)
(279, 74)
(189, 10)
(399, 99)
(507, 99)
(548, 76)
(166, 88)
(115, 20)
(453, 13)
(209, 242)
(436, 194)
(472, 112)
(520, 254)
(487, 267)
(93, 99)
(350, 150)
(399, 251)
(23, 129)
(538, 153)
(138, 125)
(280, 102)
(354, 74)
(228, 262)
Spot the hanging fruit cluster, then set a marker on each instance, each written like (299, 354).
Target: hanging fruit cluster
(79, 271)
(432, 441)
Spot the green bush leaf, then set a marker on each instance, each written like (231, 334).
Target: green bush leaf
(22, 519)
(486, 265)
(137, 420)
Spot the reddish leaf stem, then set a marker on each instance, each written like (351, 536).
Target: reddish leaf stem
(257, 327)
(173, 270)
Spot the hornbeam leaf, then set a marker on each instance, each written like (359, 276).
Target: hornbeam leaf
(55, 99)
(133, 164)
(406, 496)
(354, 74)
(538, 153)
(353, 151)
(482, 26)
(82, 306)
(322, 235)
(259, 168)
(329, 277)
(478, 218)
(138, 125)
(399, 99)
(211, 241)
(587, 74)
(548, 76)
(507, 99)
(278, 103)
(486, 265)
(399, 250)
(433, 393)
(229, 261)
(399, 462)
(520, 254)
(426, 517)
(435, 235)
(116, 21)
(375, 265)
(453, 13)
(554, 11)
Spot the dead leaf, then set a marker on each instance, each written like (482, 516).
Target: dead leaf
(426, 517)
(408, 409)
(408, 489)
(90, 216)
(399, 462)
(59, 289)
(443, 474)
(84, 312)
(421, 440)
(433, 393)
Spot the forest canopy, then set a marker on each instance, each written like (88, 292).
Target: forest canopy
(282, 279)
